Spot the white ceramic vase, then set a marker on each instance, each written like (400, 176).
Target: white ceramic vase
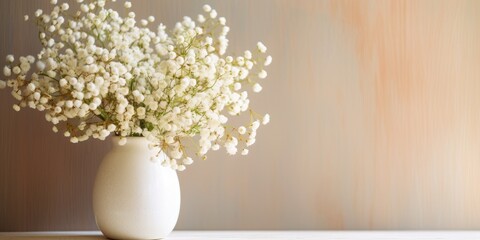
(135, 197)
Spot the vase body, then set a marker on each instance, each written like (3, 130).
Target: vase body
(133, 196)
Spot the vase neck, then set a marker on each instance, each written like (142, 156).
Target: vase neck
(132, 142)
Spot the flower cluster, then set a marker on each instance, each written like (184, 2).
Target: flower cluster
(100, 74)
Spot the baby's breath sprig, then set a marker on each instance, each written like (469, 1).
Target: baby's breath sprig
(100, 74)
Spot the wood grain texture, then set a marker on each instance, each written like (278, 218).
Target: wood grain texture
(375, 123)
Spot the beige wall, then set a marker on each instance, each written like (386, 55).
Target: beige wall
(375, 111)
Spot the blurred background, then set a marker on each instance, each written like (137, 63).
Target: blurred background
(375, 111)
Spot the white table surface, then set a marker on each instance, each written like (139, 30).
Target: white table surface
(257, 235)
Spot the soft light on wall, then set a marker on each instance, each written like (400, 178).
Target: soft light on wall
(375, 123)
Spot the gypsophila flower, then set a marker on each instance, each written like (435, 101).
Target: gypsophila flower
(122, 141)
(268, 61)
(266, 119)
(16, 107)
(242, 130)
(207, 8)
(261, 47)
(101, 74)
(257, 88)
(262, 74)
(181, 167)
(187, 161)
(7, 72)
(10, 58)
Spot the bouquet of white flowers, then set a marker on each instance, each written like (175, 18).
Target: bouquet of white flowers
(100, 74)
